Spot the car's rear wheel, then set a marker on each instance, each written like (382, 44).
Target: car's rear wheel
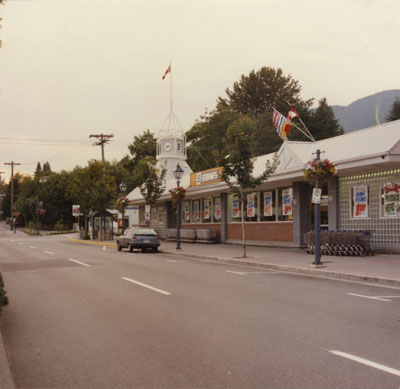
(119, 248)
(130, 248)
(155, 249)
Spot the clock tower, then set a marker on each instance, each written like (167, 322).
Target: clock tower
(171, 150)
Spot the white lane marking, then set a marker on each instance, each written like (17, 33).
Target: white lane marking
(20, 243)
(79, 262)
(48, 252)
(368, 297)
(169, 260)
(366, 362)
(146, 286)
(388, 297)
(32, 247)
(242, 273)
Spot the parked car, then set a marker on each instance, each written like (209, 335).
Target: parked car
(139, 238)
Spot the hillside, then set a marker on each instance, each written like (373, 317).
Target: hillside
(362, 113)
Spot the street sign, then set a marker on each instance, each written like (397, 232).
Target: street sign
(76, 210)
(147, 216)
(147, 208)
(316, 196)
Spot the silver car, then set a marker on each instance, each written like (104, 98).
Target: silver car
(139, 238)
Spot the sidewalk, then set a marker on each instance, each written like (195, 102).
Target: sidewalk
(379, 269)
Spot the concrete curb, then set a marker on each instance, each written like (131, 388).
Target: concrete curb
(323, 273)
(292, 269)
(6, 377)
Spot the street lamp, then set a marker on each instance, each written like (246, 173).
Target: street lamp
(122, 188)
(38, 210)
(178, 173)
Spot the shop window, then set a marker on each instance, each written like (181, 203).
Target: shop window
(216, 210)
(359, 201)
(390, 199)
(206, 210)
(196, 210)
(285, 208)
(186, 212)
(268, 205)
(250, 207)
(154, 215)
(160, 215)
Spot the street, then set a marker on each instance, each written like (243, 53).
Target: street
(87, 316)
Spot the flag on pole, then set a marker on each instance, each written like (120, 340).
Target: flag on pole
(166, 72)
(279, 122)
(291, 114)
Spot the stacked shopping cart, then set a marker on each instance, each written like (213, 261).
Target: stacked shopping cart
(341, 242)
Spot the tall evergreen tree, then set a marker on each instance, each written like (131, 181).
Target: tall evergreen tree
(394, 113)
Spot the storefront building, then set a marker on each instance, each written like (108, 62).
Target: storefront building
(365, 195)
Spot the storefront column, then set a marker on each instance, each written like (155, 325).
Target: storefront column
(301, 212)
(333, 204)
(224, 215)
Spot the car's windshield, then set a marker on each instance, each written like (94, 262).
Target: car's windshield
(144, 231)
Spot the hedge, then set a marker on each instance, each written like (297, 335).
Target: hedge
(3, 294)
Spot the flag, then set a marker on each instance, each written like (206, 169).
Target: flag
(291, 114)
(166, 72)
(279, 122)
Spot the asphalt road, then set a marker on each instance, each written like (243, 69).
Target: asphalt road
(84, 317)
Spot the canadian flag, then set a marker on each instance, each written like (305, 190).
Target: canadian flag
(166, 72)
(291, 114)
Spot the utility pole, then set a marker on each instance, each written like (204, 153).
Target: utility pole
(103, 139)
(12, 164)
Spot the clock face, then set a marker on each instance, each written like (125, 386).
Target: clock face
(167, 146)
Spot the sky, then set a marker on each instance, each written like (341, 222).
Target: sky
(72, 68)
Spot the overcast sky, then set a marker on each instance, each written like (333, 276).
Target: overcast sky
(71, 68)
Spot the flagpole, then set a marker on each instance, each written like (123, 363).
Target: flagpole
(170, 95)
(309, 136)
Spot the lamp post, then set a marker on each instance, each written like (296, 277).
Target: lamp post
(122, 188)
(178, 173)
(317, 222)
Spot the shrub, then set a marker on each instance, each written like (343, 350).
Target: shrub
(3, 294)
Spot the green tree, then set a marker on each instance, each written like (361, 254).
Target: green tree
(92, 187)
(394, 113)
(239, 164)
(322, 122)
(263, 90)
(206, 138)
(143, 146)
(27, 198)
(153, 182)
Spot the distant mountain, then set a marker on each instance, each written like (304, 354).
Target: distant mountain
(363, 112)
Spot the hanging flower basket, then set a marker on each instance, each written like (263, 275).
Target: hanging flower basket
(177, 194)
(321, 170)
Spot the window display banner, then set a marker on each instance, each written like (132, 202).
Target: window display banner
(218, 209)
(360, 201)
(287, 202)
(391, 199)
(268, 204)
(250, 205)
(154, 215)
(187, 212)
(160, 214)
(206, 210)
(196, 210)
(235, 207)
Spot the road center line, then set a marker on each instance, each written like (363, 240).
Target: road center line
(146, 286)
(170, 260)
(48, 252)
(240, 273)
(32, 247)
(368, 297)
(366, 362)
(79, 262)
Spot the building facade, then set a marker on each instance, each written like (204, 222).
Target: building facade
(365, 195)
